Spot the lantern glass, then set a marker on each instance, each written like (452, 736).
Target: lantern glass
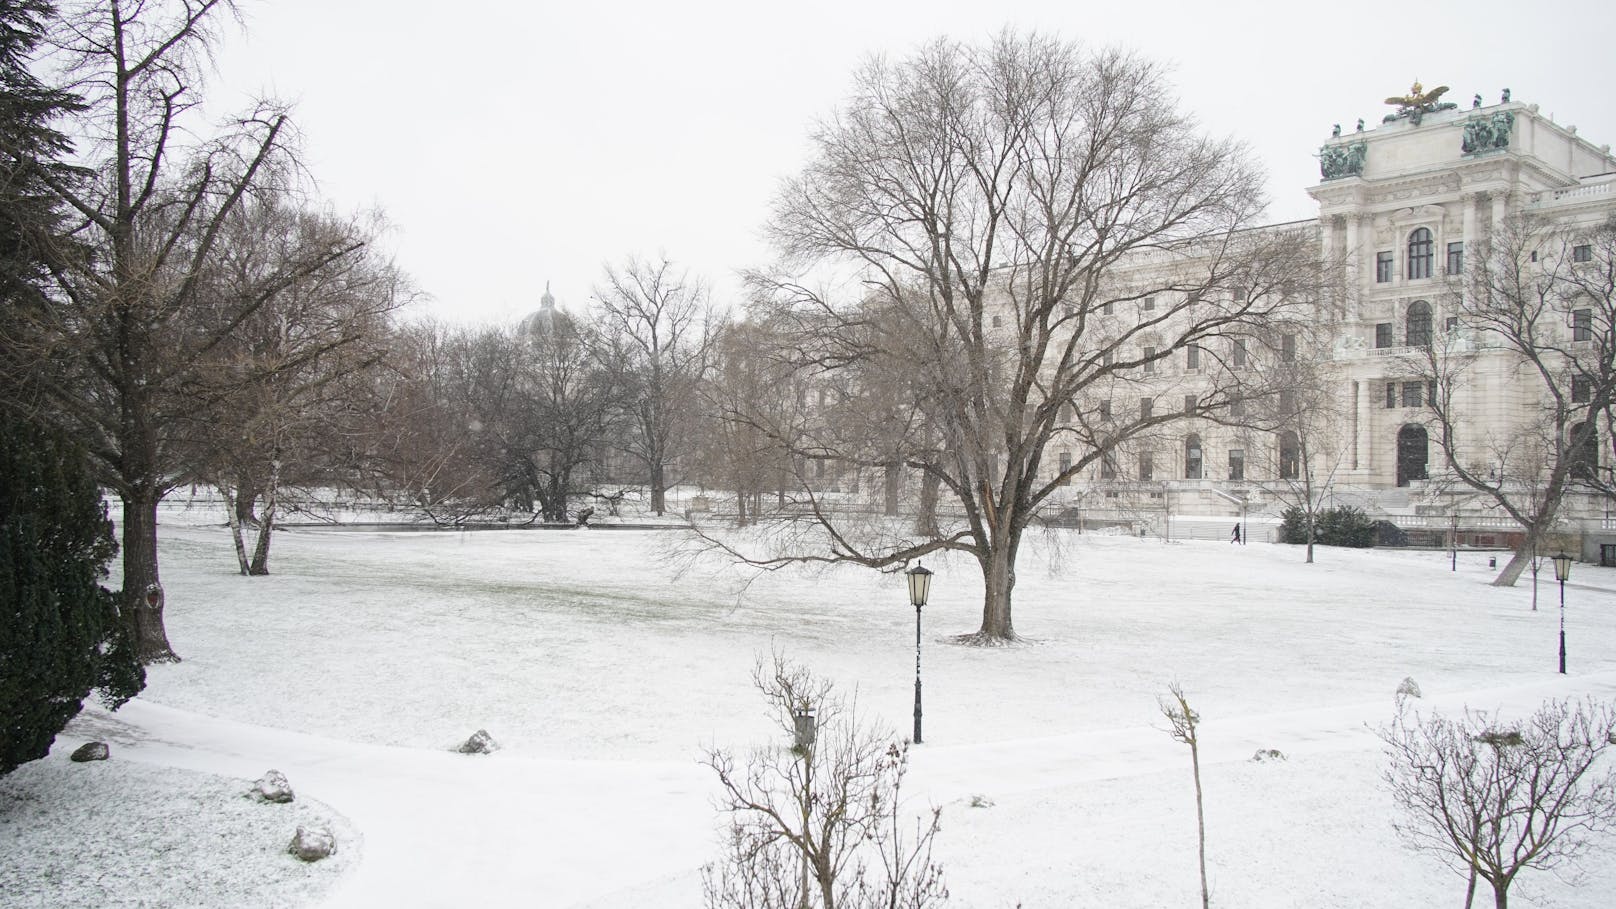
(1562, 567)
(919, 585)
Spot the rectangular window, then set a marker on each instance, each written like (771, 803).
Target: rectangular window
(1287, 402)
(1108, 467)
(1383, 335)
(1412, 392)
(1065, 465)
(1147, 465)
(1189, 403)
(1419, 254)
(1391, 395)
(1146, 405)
(1383, 268)
(1237, 464)
(1580, 391)
(1192, 357)
(1237, 406)
(1105, 410)
(1582, 325)
(1240, 352)
(1147, 304)
(1287, 348)
(1105, 308)
(1150, 361)
(1582, 252)
(1455, 258)
(1452, 323)
(1105, 358)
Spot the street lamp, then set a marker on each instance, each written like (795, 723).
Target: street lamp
(919, 587)
(1562, 570)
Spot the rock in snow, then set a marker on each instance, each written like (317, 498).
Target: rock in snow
(1268, 754)
(91, 751)
(479, 743)
(272, 787)
(1409, 687)
(312, 844)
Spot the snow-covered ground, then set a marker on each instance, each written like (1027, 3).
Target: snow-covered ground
(604, 666)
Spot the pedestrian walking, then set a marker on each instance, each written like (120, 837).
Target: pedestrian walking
(1235, 537)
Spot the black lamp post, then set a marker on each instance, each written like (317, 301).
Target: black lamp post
(1562, 570)
(919, 587)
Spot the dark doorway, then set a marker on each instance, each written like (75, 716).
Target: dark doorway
(1413, 451)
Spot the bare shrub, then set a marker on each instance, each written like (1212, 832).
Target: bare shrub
(820, 823)
(1494, 797)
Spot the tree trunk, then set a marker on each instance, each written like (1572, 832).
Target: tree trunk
(266, 523)
(890, 492)
(659, 490)
(242, 504)
(740, 508)
(233, 515)
(926, 521)
(1519, 560)
(999, 581)
(1501, 896)
(142, 590)
(1310, 533)
(1200, 815)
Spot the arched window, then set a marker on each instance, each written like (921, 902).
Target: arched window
(1419, 253)
(1584, 457)
(1192, 457)
(1290, 456)
(1418, 323)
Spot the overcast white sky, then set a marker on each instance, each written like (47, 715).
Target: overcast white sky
(512, 143)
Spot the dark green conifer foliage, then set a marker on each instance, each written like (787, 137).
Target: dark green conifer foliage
(59, 633)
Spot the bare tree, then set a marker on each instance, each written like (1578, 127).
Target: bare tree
(1182, 725)
(1301, 413)
(1542, 296)
(265, 394)
(117, 345)
(1027, 224)
(665, 323)
(821, 823)
(1494, 797)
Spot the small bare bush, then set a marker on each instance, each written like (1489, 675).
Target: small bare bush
(819, 823)
(1494, 797)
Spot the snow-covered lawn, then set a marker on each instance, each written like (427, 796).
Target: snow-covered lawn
(603, 674)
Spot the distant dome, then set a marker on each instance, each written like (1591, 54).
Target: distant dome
(539, 324)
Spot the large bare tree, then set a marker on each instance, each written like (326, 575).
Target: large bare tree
(664, 322)
(117, 345)
(1031, 229)
(1542, 297)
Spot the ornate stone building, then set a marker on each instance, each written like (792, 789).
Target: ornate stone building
(1403, 206)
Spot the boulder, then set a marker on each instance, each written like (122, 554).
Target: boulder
(272, 787)
(91, 751)
(1264, 755)
(313, 843)
(1409, 688)
(479, 743)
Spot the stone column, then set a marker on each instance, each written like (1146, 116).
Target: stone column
(1498, 211)
(1363, 414)
(1354, 259)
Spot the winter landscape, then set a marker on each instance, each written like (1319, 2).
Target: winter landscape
(565, 454)
(604, 664)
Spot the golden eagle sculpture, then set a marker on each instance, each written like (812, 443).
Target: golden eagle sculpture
(1417, 103)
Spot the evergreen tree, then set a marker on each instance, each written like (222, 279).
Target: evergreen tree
(59, 634)
(29, 217)
(59, 631)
